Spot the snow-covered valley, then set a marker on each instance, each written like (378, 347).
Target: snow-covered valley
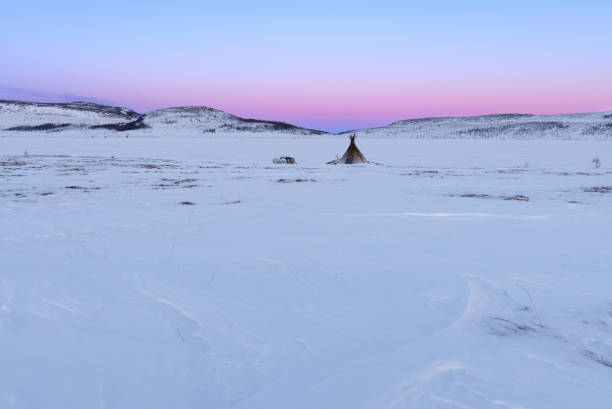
(194, 273)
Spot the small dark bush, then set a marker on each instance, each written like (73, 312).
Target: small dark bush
(598, 189)
(42, 127)
(476, 195)
(598, 129)
(520, 198)
(298, 180)
(123, 126)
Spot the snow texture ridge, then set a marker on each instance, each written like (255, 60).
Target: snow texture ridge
(195, 273)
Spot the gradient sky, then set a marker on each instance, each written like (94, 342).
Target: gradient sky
(321, 64)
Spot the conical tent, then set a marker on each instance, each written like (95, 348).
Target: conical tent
(351, 156)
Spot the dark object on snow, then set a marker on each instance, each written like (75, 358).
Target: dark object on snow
(520, 198)
(123, 126)
(351, 156)
(288, 160)
(43, 127)
(598, 189)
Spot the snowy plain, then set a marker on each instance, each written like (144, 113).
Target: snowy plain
(451, 274)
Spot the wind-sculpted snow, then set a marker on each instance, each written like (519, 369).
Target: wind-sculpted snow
(184, 273)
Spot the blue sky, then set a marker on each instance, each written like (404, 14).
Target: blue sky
(331, 65)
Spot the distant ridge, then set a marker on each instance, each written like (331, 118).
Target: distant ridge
(82, 106)
(93, 119)
(591, 126)
(20, 94)
(229, 121)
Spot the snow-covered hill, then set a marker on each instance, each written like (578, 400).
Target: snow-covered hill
(18, 116)
(589, 126)
(202, 120)
(89, 119)
(84, 119)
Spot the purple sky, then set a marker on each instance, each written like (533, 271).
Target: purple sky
(331, 66)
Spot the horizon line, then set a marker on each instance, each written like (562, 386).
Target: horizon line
(92, 101)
